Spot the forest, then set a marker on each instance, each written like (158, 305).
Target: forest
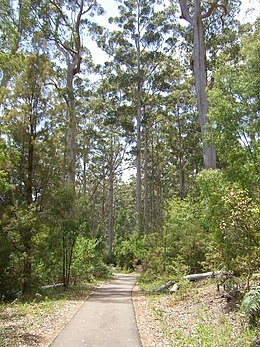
(150, 158)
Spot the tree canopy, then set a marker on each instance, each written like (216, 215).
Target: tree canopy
(151, 157)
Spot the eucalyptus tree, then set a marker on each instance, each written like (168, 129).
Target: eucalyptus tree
(63, 23)
(27, 121)
(110, 144)
(181, 130)
(136, 48)
(195, 13)
(16, 25)
(171, 142)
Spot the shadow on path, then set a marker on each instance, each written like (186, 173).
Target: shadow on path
(106, 319)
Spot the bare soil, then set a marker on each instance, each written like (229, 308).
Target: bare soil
(39, 329)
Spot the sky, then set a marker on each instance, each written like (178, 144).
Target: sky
(250, 10)
(110, 7)
(250, 6)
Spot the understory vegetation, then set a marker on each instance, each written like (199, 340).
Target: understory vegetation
(148, 159)
(199, 316)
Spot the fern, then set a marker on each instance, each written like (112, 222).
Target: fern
(251, 305)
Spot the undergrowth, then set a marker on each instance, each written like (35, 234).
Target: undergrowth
(251, 305)
(206, 324)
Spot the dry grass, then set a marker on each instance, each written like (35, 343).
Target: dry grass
(197, 317)
(37, 322)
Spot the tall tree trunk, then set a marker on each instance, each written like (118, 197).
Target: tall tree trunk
(67, 256)
(69, 262)
(64, 260)
(159, 198)
(152, 184)
(198, 62)
(200, 75)
(29, 183)
(138, 129)
(181, 179)
(146, 195)
(71, 130)
(27, 234)
(72, 53)
(27, 262)
(111, 204)
(181, 161)
(138, 159)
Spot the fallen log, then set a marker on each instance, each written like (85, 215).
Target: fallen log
(174, 288)
(165, 286)
(195, 277)
(55, 285)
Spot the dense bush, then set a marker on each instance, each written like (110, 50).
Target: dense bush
(251, 305)
(240, 232)
(10, 278)
(214, 229)
(88, 261)
(229, 215)
(130, 252)
(184, 236)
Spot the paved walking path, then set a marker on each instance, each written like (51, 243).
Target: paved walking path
(106, 319)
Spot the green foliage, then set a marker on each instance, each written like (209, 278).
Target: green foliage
(229, 215)
(211, 187)
(8, 158)
(153, 260)
(130, 251)
(67, 218)
(234, 109)
(88, 261)
(19, 229)
(240, 232)
(9, 273)
(213, 335)
(251, 305)
(46, 266)
(183, 245)
(185, 241)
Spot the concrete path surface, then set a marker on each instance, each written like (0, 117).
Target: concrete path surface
(106, 319)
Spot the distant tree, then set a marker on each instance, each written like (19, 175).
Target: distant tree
(137, 49)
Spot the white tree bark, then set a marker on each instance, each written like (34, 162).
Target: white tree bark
(138, 128)
(198, 62)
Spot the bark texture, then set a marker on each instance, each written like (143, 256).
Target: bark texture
(198, 63)
(138, 127)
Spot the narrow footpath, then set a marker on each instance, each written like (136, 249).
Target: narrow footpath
(106, 319)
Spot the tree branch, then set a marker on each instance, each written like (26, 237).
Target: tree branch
(185, 12)
(210, 10)
(60, 12)
(88, 9)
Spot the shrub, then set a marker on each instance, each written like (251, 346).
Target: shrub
(183, 236)
(240, 232)
(87, 262)
(130, 252)
(251, 305)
